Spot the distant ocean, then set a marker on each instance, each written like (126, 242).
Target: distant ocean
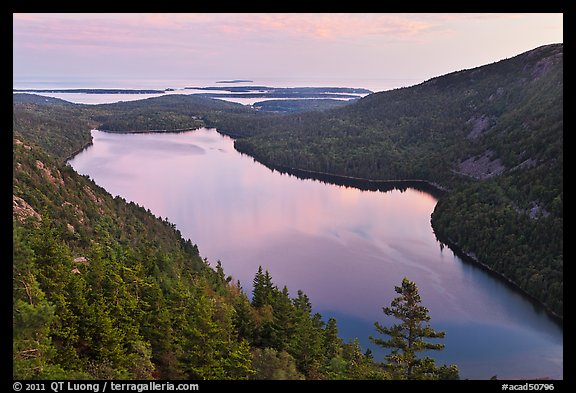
(178, 86)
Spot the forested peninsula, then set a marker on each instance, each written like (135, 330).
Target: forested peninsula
(491, 137)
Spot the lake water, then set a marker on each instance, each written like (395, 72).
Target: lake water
(345, 248)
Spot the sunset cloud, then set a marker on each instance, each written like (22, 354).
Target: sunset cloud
(274, 43)
(139, 29)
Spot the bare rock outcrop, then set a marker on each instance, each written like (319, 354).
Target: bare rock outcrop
(22, 209)
(481, 167)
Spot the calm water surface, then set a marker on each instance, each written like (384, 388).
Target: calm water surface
(345, 248)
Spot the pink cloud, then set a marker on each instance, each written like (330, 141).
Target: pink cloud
(96, 32)
(270, 43)
(332, 26)
(185, 30)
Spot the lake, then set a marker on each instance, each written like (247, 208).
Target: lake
(345, 248)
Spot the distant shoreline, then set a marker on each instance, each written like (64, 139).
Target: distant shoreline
(93, 91)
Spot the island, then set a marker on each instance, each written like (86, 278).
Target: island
(236, 81)
(92, 91)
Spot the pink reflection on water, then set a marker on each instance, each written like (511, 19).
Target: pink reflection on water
(344, 247)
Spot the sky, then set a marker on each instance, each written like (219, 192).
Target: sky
(331, 46)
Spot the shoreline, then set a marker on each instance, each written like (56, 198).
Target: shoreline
(91, 142)
(80, 150)
(175, 130)
(435, 189)
(468, 258)
(378, 184)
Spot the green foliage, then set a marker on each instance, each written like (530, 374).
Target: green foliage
(351, 363)
(210, 346)
(32, 315)
(407, 339)
(497, 222)
(59, 127)
(290, 341)
(165, 113)
(332, 342)
(271, 364)
(104, 290)
(262, 293)
(306, 344)
(299, 105)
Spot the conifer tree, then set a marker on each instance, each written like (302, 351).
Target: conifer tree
(263, 291)
(332, 343)
(283, 319)
(407, 339)
(306, 345)
(32, 315)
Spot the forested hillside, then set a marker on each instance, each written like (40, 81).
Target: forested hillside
(102, 289)
(47, 122)
(467, 125)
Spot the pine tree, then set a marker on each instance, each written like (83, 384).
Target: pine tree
(243, 317)
(212, 348)
(283, 319)
(332, 343)
(263, 295)
(54, 264)
(263, 290)
(306, 345)
(32, 315)
(408, 337)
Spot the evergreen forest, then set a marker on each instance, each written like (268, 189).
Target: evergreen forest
(103, 289)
